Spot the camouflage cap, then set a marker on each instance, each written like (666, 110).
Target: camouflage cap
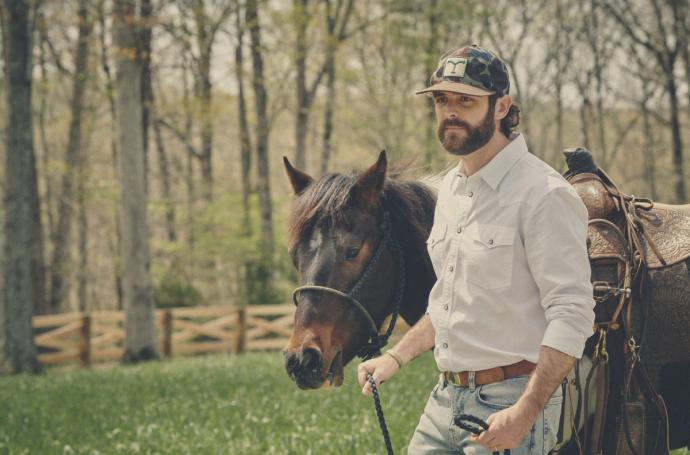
(471, 70)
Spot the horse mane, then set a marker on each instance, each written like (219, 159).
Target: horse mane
(409, 202)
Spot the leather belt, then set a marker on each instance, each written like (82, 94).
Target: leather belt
(491, 375)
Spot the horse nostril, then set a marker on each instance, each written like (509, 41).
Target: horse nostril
(291, 362)
(312, 361)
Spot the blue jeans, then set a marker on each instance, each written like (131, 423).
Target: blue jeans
(437, 433)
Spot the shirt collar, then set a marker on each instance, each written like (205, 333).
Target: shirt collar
(494, 171)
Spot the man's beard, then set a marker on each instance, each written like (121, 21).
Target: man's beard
(477, 136)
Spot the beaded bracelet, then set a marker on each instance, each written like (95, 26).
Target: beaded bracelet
(395, 357)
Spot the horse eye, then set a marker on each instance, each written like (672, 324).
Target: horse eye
(351, 253)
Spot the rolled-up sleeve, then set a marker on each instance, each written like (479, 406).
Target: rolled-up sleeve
(555, 233)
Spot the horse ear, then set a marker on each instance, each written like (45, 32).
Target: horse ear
(298, 179)
(370, 183)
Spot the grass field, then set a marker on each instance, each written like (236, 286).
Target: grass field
(215, 405)
(207, 405)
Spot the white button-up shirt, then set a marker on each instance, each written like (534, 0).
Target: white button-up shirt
(509, 247)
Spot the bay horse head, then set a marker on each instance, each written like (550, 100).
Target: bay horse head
(351, 264)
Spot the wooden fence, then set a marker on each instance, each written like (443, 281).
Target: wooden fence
(98, 337)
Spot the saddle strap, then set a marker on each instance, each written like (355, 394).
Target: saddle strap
(629, 205)
(600, 410)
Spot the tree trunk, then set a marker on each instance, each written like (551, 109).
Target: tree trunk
(678, 164)
(140, 329)
(206, 133)
(431, 147)
(191, 196)
(682, 27)
(60, 264)
(146, 86)
(301, 18)
(599, 84)
(205, 37)
(649, 141)
(83, 271)
(23, 278)
(109, 90)
(583, 111)
(245, 138)
(262, 133)
(164, 169)
(329, 111)
(558, 78)
(46, 156)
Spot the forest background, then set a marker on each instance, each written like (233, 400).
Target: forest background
(144, 139)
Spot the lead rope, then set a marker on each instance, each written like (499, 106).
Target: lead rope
(379, 414)
(475, 425)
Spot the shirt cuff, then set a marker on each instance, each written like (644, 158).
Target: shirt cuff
(563, 337)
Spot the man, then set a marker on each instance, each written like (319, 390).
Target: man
(512, 305)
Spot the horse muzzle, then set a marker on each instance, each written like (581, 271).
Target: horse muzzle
(307, 369)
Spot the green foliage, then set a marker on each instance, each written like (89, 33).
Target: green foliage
(255, 288)
(175, 290)
(225, 251)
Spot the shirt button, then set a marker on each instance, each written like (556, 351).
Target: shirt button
(491, 241)
(470, 194)
(450, 269)
(445, 345)
(459, 230)
(445, 307)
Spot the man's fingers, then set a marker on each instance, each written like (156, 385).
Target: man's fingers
(362, 377)
(362, 374)
(485, 438)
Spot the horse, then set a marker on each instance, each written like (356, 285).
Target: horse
(337, 227)
(359, 244)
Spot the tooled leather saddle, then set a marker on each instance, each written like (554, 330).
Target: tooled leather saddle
(660, 225)
(627, 237)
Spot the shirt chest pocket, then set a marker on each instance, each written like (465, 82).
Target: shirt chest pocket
(489, 256)
(435, 245)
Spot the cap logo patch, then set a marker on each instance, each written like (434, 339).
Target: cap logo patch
(455, 67)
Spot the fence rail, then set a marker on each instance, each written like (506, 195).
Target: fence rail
(86, 338)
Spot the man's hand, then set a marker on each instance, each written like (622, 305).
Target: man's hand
(507, 428)
(381, 368)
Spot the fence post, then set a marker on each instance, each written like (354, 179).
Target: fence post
(85, 341)
(167, 333)
(241, 331)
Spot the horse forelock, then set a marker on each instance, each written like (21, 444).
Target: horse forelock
(408, 201)
(322, 201)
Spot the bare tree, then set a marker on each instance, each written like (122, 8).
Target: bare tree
(23, 277)
(662, 43)
(59, 268)
(336, 33)
(245, 138)
(145, 50)
(262, 133)
(140, 328)
(109, 91)
(337, 18)
(510, 44)
(207, 18)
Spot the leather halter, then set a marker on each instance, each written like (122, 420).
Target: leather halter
(375, 341)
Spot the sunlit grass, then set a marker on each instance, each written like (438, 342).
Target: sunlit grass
(217, 405)
(207, 405)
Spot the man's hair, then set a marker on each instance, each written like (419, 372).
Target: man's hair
(512, 118)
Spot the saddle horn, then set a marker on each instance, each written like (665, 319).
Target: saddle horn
(580, 160)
